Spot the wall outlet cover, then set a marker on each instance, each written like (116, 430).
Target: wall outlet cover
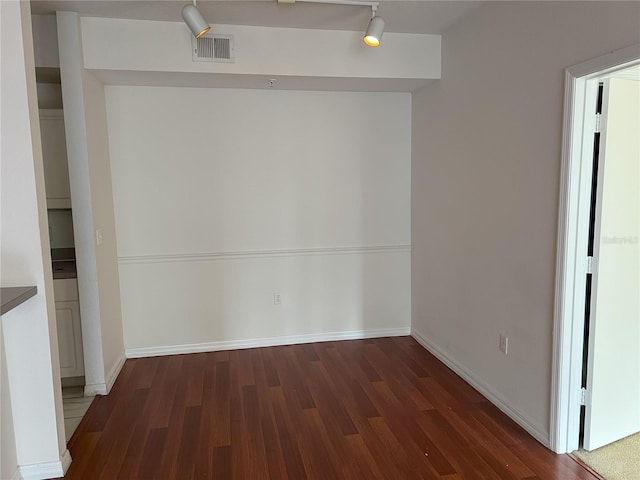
(504, 343)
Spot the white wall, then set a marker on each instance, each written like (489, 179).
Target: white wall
(103, 217)
(224, 197)
(29, 331)
(485, 183)
(8, 456)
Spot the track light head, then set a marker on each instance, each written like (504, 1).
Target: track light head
(373, 35)
(195, 22)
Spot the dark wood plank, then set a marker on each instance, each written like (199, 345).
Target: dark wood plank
(221, 431)
(153, 448)
(286, 435)
(273, 380)
(205, 445)
(365, 409)
(188, 443)
(222, 462)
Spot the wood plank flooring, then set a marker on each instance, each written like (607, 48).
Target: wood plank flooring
(364, 409)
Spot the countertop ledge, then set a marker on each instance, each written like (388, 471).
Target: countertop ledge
(11, 297)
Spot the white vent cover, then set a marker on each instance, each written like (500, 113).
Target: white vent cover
(213, 47)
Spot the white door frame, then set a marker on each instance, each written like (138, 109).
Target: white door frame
(581, 83)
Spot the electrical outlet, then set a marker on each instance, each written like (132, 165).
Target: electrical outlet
(504, 343)
(276, 299)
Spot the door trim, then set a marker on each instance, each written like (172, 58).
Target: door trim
(580, 81)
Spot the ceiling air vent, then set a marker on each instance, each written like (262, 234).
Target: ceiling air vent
(213, 47)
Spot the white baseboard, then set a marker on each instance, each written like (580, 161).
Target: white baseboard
(264, 342)
(91, 390)
(114, 372)
(40, 471)
(66, 461)
(513, 413)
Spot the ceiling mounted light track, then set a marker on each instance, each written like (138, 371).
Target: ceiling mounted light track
(376, 25)
(192, 17)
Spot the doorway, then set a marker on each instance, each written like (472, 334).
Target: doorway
(575, 390)
(611, 367)
(61, 239)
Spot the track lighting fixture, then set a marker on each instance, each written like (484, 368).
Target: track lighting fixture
(192, 17)
(376, 25)
(374, 31)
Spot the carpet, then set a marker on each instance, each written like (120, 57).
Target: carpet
(617, 461)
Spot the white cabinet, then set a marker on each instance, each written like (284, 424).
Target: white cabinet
(54, 156)
(69, 328)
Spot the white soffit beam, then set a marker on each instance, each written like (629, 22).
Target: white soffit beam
(150, 46)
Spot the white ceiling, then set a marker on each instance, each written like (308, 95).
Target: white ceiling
(418, 16)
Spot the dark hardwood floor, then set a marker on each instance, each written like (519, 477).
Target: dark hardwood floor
(364, 409)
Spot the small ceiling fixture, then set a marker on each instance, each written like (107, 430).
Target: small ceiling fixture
(376, 25)
(192, 17)
(374, 31)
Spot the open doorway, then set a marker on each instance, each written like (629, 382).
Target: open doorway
(61, 239)
(93, 352)
(612, 327)
(611, 366)
(596, 385)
